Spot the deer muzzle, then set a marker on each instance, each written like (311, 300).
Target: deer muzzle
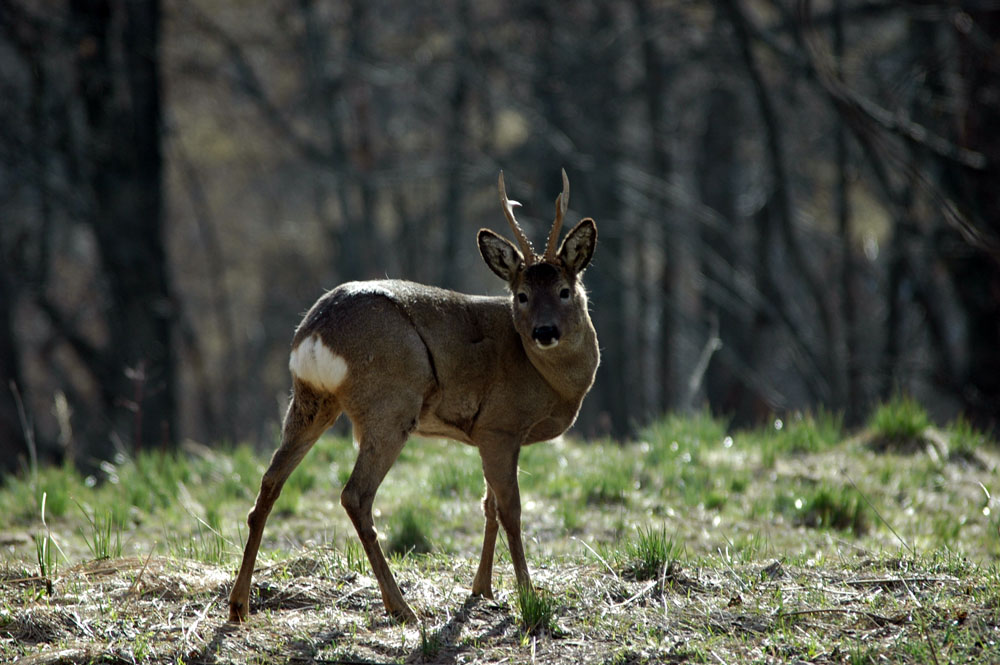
(545, 336)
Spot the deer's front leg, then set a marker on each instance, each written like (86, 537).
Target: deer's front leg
(500, 470)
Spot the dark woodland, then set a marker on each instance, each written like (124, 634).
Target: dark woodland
(798, 203)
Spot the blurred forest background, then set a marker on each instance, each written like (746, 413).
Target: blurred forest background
(798, 202)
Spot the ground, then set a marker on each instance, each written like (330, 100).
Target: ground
(792, 544)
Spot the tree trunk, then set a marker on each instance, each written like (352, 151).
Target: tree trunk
(120, 86)
(976, 269)
(848, 380)
(455, 147)
(717, 165)
(657, 337)
(12, 440)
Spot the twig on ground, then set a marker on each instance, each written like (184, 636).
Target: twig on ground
(138, 578)
(599, 557)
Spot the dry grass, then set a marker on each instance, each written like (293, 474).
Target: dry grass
(691, 545)
(314, 609)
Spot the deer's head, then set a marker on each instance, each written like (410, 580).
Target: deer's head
(549, 302)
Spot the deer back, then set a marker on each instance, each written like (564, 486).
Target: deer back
(519, 364)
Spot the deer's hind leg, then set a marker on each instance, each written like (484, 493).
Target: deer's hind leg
(309, 414)
(382, 432)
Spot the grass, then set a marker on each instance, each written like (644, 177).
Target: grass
(900, 420)
(102, 533)
(794, 542)
(536, 609)
(826, 506)
(647, 555)
(409, 532)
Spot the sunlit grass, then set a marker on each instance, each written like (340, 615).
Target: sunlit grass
(900, 419)
(648, 553)
(102, 534)
(689, 474)
(536, 609)
(410, 529)
(826, 507)
(691, 511)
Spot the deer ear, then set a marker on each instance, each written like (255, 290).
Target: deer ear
(578, 247)
(500, 255)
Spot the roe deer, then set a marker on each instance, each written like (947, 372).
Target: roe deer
(397, 357)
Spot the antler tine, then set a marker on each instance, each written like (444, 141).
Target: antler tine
(562, 203)
(508, 211)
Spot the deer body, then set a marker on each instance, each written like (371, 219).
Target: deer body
(399, 358)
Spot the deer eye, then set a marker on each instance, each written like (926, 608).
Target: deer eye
(522, 297)
(564, 294)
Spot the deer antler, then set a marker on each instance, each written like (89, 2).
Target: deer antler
(508, 211)
(562, 203)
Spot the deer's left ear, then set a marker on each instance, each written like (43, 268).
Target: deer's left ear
(578, 247)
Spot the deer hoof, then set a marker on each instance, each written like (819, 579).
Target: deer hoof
(238, 612)
(483, 593)
(403, 615)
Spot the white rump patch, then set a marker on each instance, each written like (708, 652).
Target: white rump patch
(311, 361)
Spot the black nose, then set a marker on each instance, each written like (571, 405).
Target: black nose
(545, 335)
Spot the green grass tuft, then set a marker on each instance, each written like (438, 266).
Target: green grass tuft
(45, 555)
(808, 433)
(206, 544)
(899, 420)
(354, 558)
(648, 555)
(536, 609)
(408, 533)
(104, 536)
(965, 439)
(827, 507)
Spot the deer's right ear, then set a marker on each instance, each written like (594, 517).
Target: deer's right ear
(500, 255)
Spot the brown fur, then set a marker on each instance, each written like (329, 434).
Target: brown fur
(440, 363)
